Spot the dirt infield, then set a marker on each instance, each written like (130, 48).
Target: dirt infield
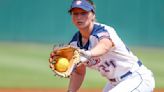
(57, 90)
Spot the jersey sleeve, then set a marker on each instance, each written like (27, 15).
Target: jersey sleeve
(101, 33)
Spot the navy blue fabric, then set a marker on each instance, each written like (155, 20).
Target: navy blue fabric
(77, 37)
(96, 30)
(128, 73)
(83, 4)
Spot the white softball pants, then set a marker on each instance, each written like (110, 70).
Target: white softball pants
(141, 80)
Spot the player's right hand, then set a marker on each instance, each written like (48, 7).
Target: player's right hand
(84, 55)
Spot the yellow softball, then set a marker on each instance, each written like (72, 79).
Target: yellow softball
(62, 64)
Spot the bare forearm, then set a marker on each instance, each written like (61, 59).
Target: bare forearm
(75, 82)
(102, 47)
(76, 79)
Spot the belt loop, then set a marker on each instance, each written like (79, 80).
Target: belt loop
(139, 63)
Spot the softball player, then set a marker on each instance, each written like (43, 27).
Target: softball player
(104, 51)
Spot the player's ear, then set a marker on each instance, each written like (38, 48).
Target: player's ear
(94, 17)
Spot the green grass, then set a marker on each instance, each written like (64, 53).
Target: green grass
(153, 58)
(25, 65)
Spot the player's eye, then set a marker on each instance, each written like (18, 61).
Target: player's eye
(84, 13)
(75, 13)
(79, 13)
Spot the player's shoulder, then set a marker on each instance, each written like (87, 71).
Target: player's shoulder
(75, 37)
(100, 29)
(105, 26)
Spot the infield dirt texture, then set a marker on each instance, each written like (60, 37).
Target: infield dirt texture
(57, 90)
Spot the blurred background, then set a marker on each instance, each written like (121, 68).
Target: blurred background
(30, 28)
